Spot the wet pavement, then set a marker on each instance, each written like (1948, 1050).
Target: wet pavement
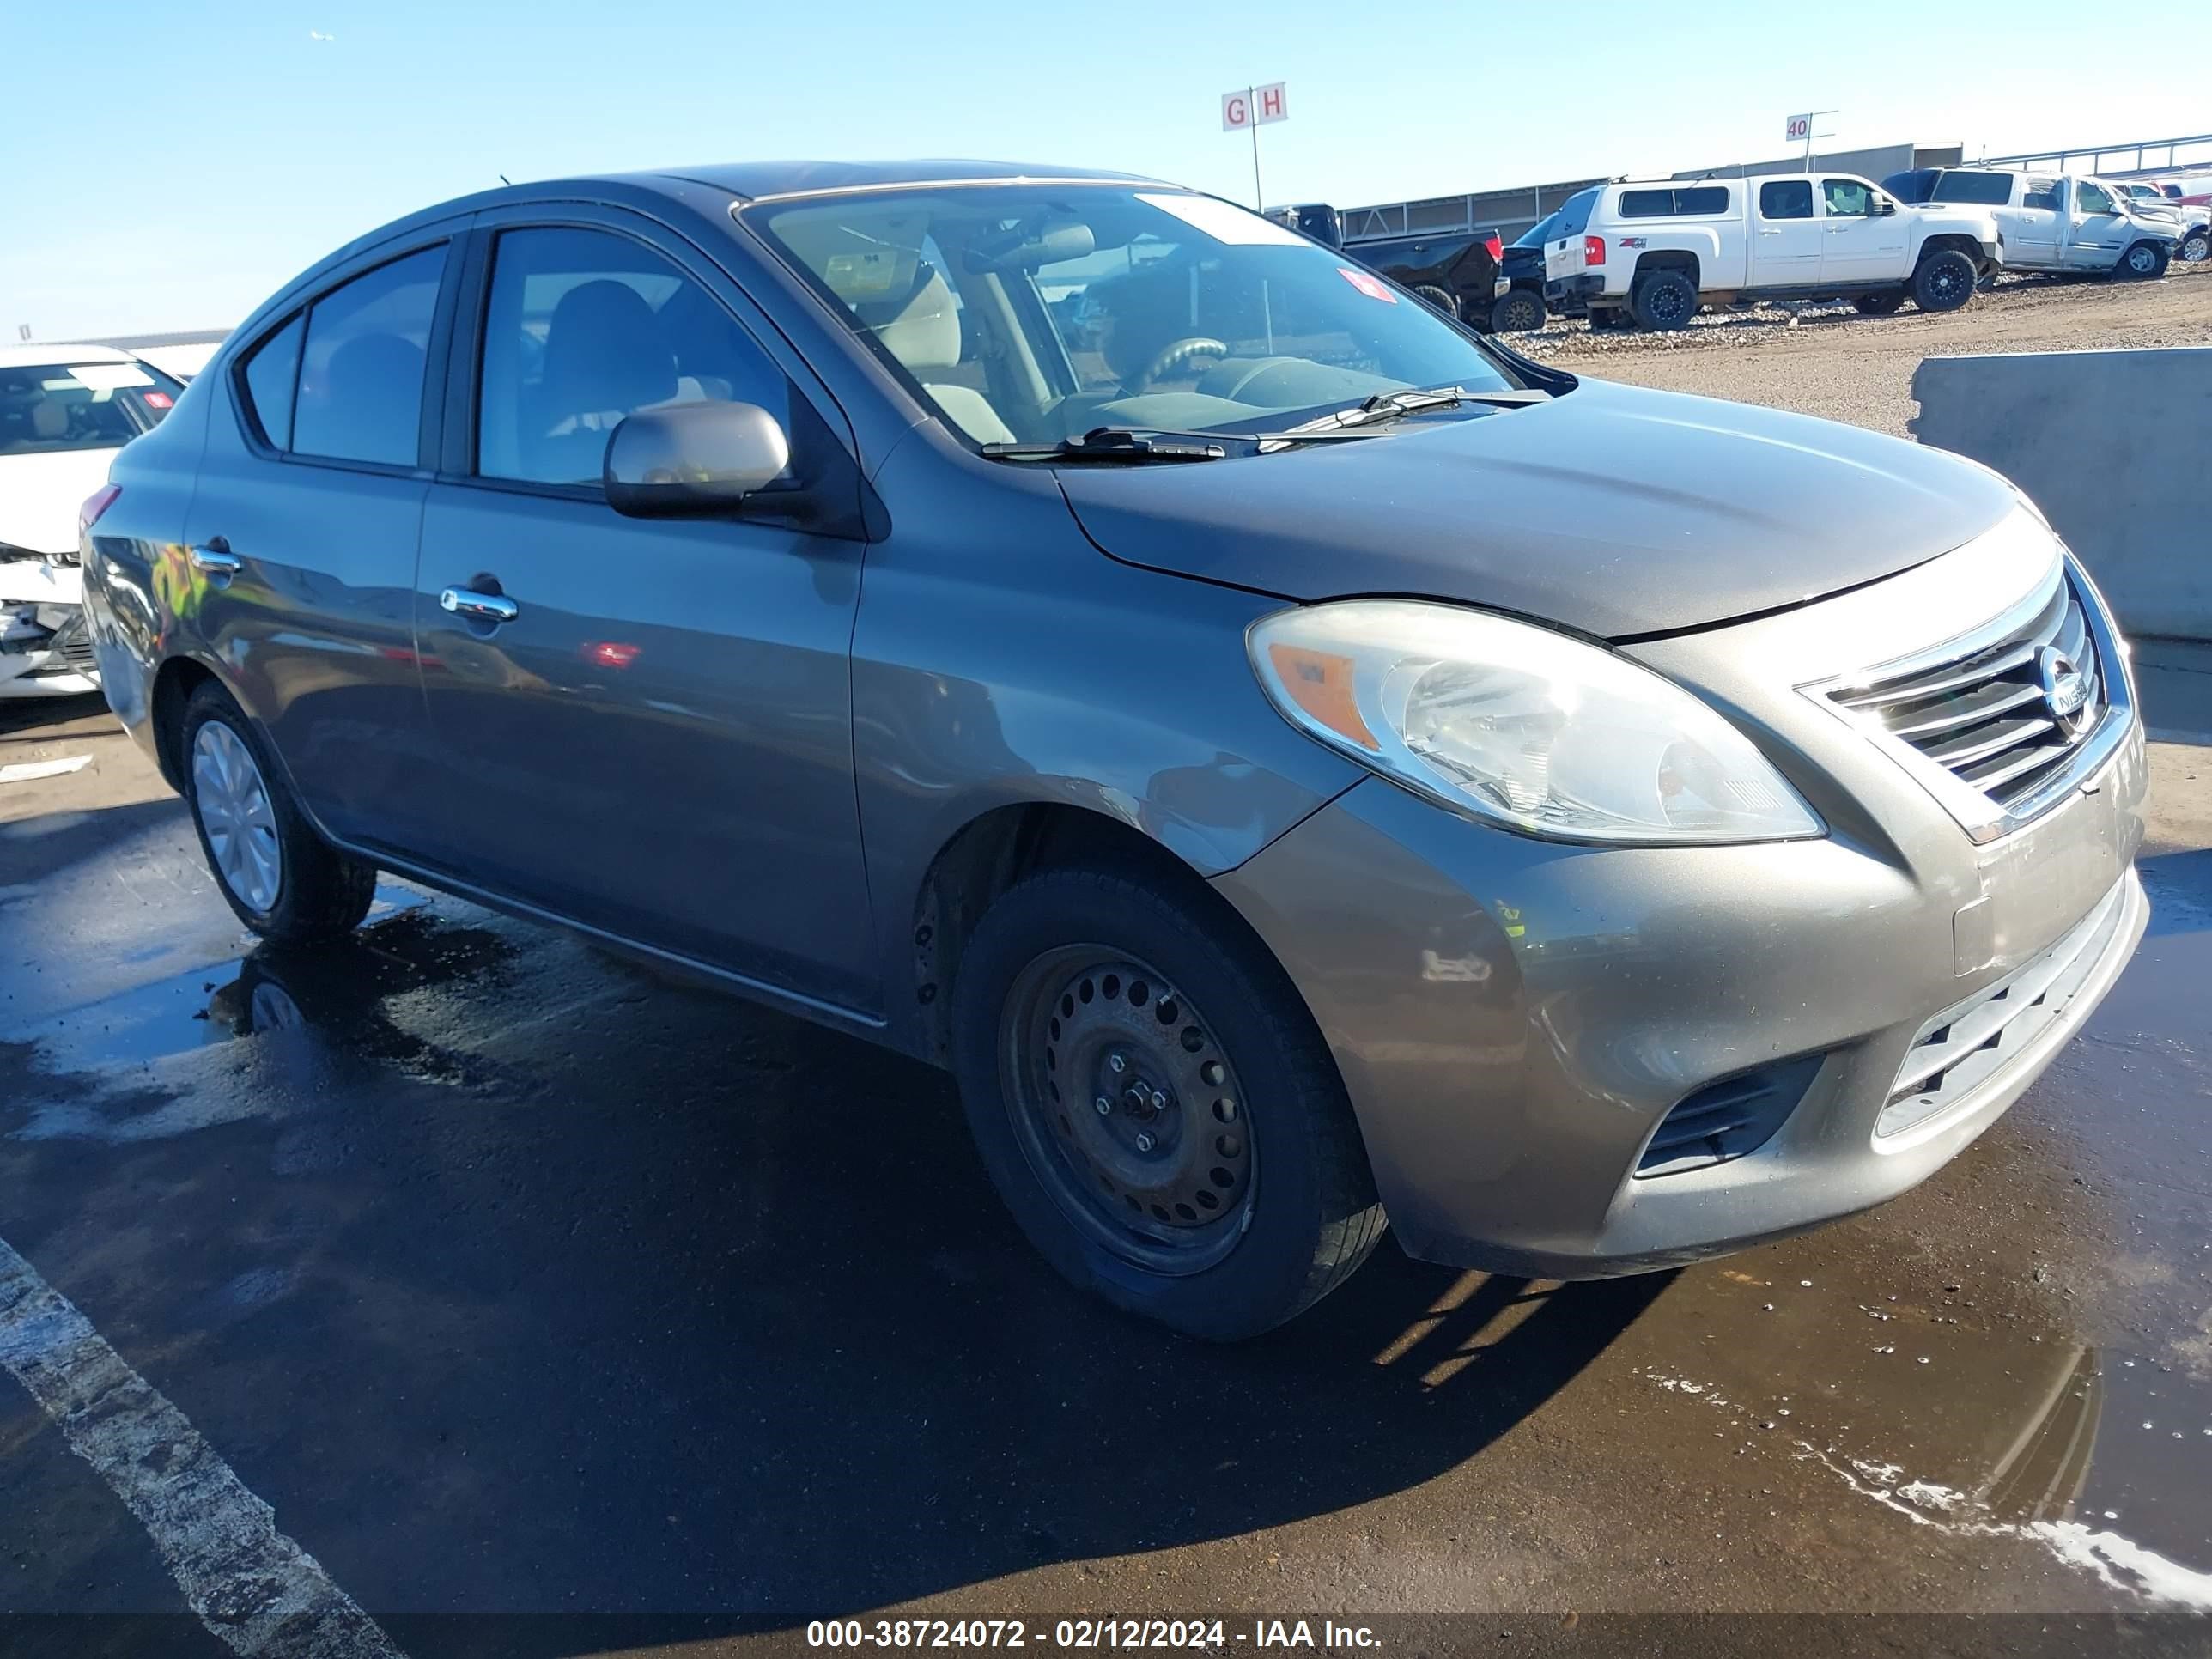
(517, 1279)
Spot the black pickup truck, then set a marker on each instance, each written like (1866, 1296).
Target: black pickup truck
(1462, 273)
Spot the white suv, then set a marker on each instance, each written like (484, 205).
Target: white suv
(1662, 249)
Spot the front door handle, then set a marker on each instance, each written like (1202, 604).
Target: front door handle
(214, 558)
(479, 607)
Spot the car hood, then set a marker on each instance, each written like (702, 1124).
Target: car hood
(1613, 510)
(40, 495)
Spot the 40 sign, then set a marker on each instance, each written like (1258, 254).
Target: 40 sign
(1253, 106)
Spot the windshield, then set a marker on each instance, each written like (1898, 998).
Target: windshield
(1034, 314)
(46, 407)
(1540, 232)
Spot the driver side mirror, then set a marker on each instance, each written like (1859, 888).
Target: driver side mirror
(1882, 207)
(693, 460)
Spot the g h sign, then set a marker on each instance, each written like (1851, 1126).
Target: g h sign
(1253, 106)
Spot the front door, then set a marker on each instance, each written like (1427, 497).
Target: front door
(1857, 244)
(2096, 232)
(642, 726)
(1786, 236)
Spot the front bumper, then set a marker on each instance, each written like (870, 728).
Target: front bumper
(1514, 1018)
(44, 648)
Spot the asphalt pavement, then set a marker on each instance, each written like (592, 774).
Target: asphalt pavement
(514, 1280)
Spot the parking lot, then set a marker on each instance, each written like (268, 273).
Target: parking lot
(518, 1281)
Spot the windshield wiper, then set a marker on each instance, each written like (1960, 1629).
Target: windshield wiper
(1396, 405)
(1141, 445)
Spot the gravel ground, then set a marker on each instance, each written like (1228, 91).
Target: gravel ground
(1829, 361)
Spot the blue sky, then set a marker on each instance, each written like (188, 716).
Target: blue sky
(166, 166)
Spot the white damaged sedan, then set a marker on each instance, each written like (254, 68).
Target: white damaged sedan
(65, 410)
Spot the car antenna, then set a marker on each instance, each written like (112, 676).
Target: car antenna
(504, 179)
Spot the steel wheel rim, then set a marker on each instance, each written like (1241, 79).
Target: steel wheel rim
(2193, 250)
(236, 816)
(1177, 1204)
(2141, 260)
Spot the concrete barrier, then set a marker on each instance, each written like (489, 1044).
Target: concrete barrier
(2116, 449)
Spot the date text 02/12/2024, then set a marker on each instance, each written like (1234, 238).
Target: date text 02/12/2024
(1090, 1634)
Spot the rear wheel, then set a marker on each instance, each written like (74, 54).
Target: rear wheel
(1665, 299)
(1878, 305)
(2143, 262)
(1520, 311)
(1944, 281)
(2196, 247)
(1439, 297)
(1155, 1106)
(283, 880)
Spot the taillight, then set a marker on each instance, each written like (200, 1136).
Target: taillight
(1496, 246)
(95, 504)
(1593, 250)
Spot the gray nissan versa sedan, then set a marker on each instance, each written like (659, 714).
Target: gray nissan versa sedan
(1294, 762)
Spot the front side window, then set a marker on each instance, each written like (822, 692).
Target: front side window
(1786, 198)
(2095, 199)
(1036, 312)
(584, 328)
(48, 407)
(1846, 199)
(368, 342)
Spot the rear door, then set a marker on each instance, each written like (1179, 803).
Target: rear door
(2029, 222)
(1563, 253)
(657, 740)
(297, 571)
(1785, 239)
(1857, 244)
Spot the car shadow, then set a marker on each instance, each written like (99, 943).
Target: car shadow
(634, 1299)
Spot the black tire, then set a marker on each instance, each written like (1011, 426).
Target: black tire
(318, 893)
(2196, 247)
(1520, 311)
(1301, 1211)
(1945, 280)
(1878, 305)
(1664, 300)
(1440, 298)
(2146, 262)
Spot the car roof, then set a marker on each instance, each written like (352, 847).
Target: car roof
(39, 353)
(753, 180)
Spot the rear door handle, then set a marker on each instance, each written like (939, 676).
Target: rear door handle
(214, 558)
(481, 607)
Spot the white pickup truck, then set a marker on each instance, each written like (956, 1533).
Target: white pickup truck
(2053, 220)
(1660, 249)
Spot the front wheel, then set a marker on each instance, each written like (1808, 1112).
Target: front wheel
(1155, 1106)
(1944, 281)
(2196, 247)
(2144, 261)
(282, 879)
(1878, 305)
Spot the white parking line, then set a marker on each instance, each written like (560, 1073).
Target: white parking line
(249, 1583)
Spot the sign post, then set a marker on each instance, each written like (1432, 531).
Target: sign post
(1800, 132)
(1252, 108)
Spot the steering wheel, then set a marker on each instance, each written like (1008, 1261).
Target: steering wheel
(1174, 356)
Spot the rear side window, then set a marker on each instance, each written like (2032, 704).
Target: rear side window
(1981, 189)
(360, 393)
(1786, 198)
(584, 328)
(272, 372)
(2041, 194)
(1673, 203)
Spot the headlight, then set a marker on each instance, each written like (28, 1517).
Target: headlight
(1519, 726)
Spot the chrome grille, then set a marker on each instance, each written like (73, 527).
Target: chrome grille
(1999, 717)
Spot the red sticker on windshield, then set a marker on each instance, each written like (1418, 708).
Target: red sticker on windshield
(157, 399)
(1367, 283)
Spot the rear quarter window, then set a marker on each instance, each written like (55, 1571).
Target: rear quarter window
(1979, 189)
(272, 374)
(1674, 203)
